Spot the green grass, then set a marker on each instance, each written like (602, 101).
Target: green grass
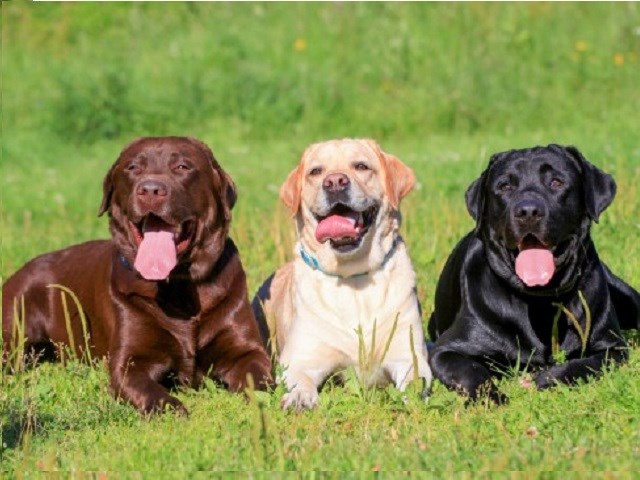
(441, 86)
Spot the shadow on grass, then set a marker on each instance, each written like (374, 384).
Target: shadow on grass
(19, 424)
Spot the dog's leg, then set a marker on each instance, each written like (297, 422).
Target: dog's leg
(306, 364)
(131, 380)
(302, 386)
(401, 361)
(625, 299)
(579, 369)
(465, 375)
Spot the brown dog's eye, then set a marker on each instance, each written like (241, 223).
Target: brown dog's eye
(556, 183)
(361, 166)
(182, 166)
(315, 171)
(132, 167)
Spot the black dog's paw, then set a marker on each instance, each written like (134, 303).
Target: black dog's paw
(487, 391)
(549, 378)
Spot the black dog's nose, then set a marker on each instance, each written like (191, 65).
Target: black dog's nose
(529, 209)
(151, 188)
(335, 182)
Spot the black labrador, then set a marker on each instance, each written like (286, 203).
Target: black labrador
(526, 287)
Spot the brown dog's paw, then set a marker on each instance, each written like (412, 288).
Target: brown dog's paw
(164, 405)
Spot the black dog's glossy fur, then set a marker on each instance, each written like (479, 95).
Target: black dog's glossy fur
(487, 320)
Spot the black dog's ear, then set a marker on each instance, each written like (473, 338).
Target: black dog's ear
(475, 195)
(474, 198)
(107, 191)
(599, 187)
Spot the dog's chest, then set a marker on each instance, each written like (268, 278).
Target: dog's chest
(355, 302)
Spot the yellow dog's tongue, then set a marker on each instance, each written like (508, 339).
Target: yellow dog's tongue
(156, 255)
(535, 266)
(337, 226)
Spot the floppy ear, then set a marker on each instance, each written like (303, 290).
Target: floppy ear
(475, 194)
(599, 187)
(227, 191)
(474, 198)
(399, 179)
(291, 190)
(107, 190)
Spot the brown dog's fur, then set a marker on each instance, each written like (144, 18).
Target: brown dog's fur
(196, 323)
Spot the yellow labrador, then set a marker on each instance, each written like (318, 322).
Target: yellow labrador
(351, 285)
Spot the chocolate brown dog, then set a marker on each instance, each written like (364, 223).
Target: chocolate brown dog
(166, 298)
(510, 288)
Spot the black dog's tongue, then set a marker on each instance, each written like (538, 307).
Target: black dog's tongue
(535, 266)
(156, 255)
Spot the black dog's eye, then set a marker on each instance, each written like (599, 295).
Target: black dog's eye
(361, 166)
(315, 171)
(505, 187)
(556, 183)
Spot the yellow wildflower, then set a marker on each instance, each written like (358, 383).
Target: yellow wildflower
(300, 44)
(618, 59)
(581, 46)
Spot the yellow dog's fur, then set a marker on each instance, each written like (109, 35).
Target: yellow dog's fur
(315, 315)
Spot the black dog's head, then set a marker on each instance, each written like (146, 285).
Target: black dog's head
(533, 209)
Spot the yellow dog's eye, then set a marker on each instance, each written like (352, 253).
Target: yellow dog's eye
(315, 171)
(361, 166)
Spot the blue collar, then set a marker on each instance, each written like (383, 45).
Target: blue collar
(315, 265)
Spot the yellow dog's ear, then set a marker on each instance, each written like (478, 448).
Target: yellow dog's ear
(291, 189)
(398, 179)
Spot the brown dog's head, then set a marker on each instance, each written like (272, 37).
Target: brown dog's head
(169, 203)
(345, 195)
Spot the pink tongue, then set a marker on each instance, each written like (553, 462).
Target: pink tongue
(335, 227)
(535, 266)
(156, 255)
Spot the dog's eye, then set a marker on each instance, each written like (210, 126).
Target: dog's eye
(315, 171)
(505, 187)
(182, 166)
(361, 166)
(132, 167)
(556, 183)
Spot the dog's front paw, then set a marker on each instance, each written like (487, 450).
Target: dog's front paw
(549, 378)
(300, 399)
(162, 405)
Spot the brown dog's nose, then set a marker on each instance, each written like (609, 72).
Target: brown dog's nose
(151, 189)
(335, 182)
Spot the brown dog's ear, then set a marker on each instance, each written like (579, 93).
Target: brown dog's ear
(399, 179)
(107, 190)
(227, 190)
(599, 187)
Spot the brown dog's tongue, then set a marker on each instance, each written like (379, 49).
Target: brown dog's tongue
(156, 255)
(535, 266)
(337, 226)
